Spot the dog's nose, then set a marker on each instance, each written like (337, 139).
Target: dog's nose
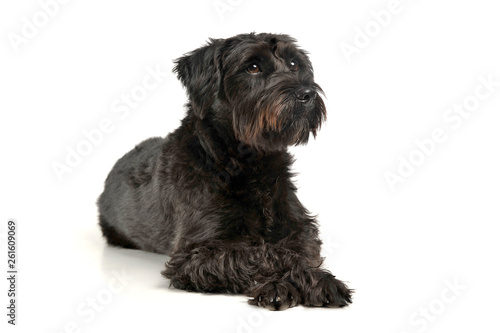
(305, 94)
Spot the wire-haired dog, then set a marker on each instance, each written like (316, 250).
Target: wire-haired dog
(216, 195)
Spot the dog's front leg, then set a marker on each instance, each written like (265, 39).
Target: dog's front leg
(297, 278)
(261, 271)
(316, 285)
(212, 267)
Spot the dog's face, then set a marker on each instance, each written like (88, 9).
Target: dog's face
(262, 86)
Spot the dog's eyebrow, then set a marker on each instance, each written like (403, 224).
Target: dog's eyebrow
(284, 50)
(252, 57)
(256, 53)
(274, 43)
(274, 50)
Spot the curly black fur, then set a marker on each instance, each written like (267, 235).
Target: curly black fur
(216, 194)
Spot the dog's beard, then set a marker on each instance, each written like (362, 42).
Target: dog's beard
(275, 119)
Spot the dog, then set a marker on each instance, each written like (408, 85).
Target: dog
(216, 195)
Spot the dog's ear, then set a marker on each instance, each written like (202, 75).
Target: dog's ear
(199, 72)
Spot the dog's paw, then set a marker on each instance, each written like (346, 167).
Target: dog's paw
(328, 291)
(277, 295)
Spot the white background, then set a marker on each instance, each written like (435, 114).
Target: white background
(399, 249)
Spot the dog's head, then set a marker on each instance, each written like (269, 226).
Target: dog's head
(260, 85)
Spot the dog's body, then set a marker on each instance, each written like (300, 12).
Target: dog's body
(216, 195)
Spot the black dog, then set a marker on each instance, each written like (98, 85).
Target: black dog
(216, 195)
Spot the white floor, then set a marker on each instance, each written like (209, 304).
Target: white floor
(70, 281)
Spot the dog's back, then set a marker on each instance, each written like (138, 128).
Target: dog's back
(123, 216)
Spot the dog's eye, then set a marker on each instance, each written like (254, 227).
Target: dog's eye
(253, 69)
(294, 65)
